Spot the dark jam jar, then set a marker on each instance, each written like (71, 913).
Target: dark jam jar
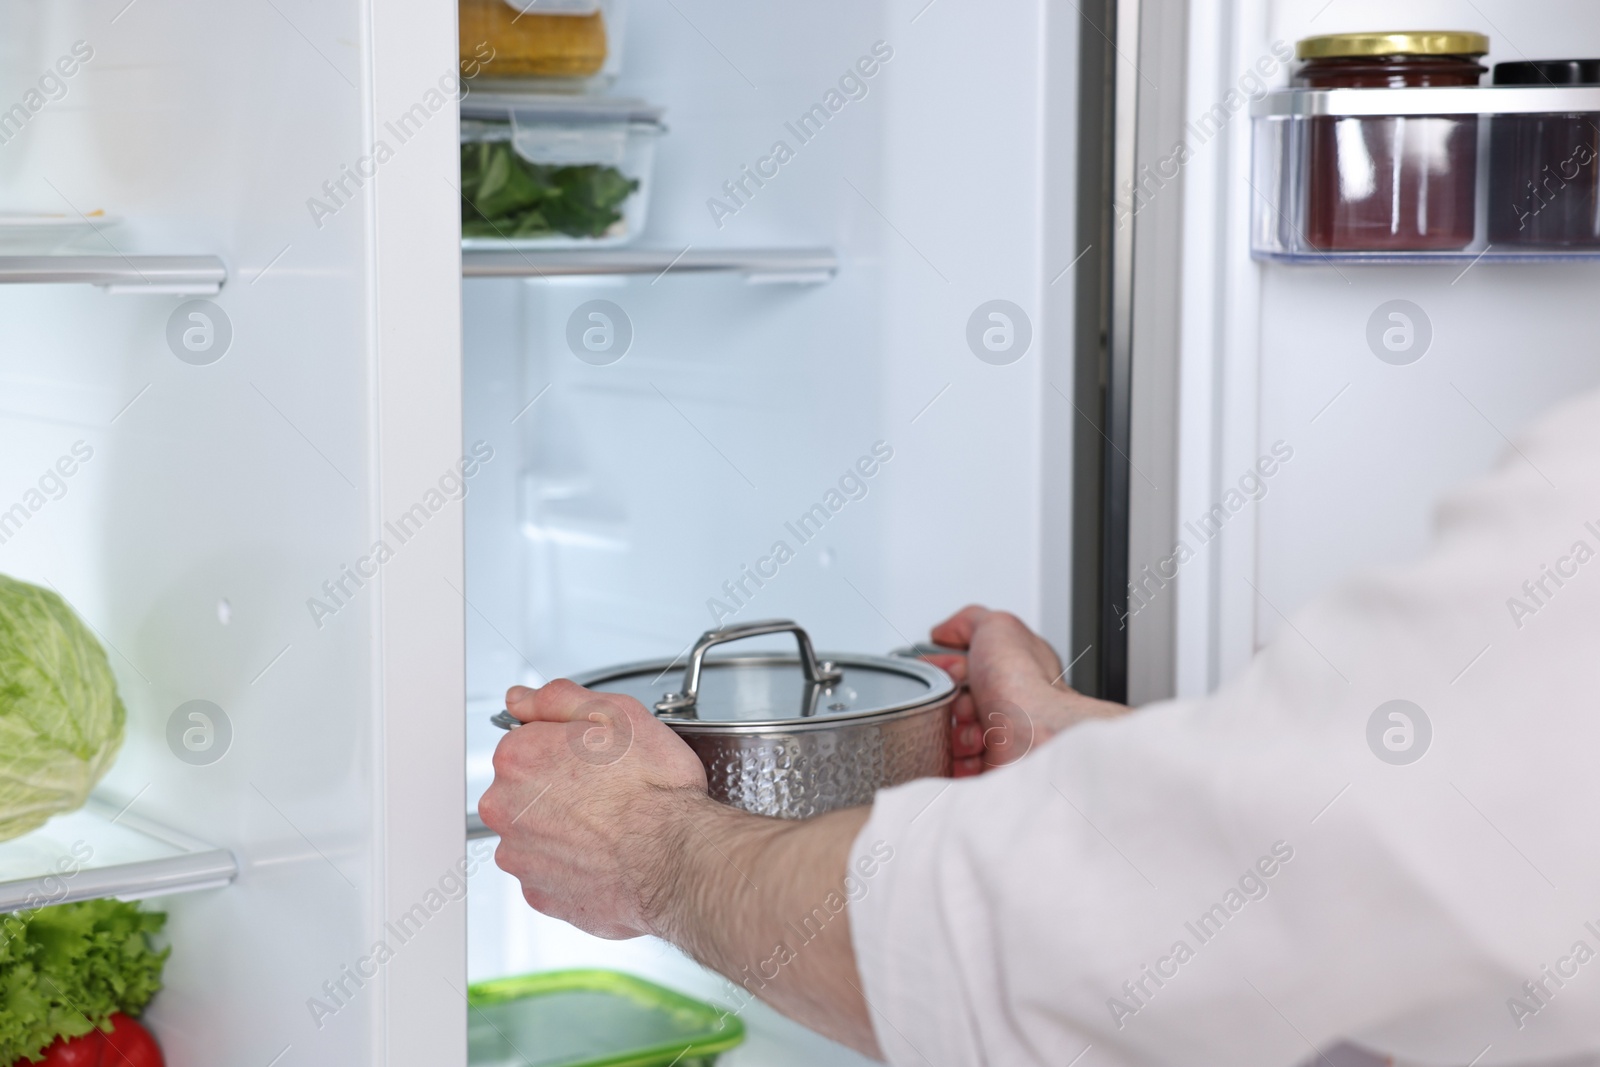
(1544, 170)
(1402, 183)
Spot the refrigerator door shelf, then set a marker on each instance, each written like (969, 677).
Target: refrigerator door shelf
(104, 850)
(198, 275)
(1426, 175)
(758, 265)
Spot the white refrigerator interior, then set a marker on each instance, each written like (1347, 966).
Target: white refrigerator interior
(225, 480)
(632, 505)
(1279, 353)
(222, 535)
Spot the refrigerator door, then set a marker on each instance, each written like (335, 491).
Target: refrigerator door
(246, 449)
(1287, 358)
(1252, 440)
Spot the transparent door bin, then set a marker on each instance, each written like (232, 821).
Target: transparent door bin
(545, 171)
(1426, 174)
(553, 46)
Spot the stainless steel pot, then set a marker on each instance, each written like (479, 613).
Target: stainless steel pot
(791, 735)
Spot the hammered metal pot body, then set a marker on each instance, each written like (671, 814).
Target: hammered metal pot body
(798, 773)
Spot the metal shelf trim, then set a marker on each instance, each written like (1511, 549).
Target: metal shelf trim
(798, 265)
(195, 865)
(1463, 100)
(123, 274)
(1492, 254)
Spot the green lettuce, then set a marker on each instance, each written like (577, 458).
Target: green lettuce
(60, 717)
(503, 195)
(65, 969)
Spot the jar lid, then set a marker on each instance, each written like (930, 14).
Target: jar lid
(1405, 43)
(1548, 72)
(765, 690)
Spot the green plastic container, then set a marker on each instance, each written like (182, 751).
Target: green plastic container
(592, 1018)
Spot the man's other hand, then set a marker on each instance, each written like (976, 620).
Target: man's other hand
(1013, 697)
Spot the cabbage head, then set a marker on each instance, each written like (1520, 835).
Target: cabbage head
(60, 717)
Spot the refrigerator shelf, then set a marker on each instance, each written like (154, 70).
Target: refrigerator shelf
(758, 265)
(103, 851)
(119, 274)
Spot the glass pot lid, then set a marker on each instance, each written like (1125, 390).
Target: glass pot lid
(771, 689)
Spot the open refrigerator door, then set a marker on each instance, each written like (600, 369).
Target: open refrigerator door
(1391, 368)
(1345, 300)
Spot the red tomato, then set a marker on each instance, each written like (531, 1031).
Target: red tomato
(130, 1045)
(82, 1051)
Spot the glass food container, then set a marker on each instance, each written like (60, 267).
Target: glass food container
(551, 171)
(1544, 169)
(1390, 183)
(545, 45)
(593, 1018)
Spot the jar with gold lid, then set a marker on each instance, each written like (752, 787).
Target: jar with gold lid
(1401, 183)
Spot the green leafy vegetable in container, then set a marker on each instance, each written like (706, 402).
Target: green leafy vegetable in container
(60, 717)
(68, 969)
(503, 195)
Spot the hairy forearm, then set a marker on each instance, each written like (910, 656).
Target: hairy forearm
(764, 902)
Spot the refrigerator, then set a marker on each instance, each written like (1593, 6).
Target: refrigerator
(347, 481)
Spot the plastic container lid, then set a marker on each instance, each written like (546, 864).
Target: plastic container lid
(592, 1018)
(559, 130)
(562, 108)
(1404, 43)
(554, 7)
(1548, 72)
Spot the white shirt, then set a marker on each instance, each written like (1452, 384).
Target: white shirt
(1241, 879)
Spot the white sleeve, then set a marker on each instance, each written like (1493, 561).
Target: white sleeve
(1248, 878)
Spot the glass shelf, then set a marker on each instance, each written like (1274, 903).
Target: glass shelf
(103, 851)
(758, 265)
(199, 275)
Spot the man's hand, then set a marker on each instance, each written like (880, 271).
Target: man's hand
(591, 799)
(603, 817)
(1014, 697)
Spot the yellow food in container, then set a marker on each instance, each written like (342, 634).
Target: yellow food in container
(523, 45)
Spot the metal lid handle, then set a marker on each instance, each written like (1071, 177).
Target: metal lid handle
(681, 705)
